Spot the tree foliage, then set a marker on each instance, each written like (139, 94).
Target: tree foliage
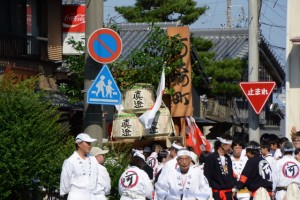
(73, 87)
(145, 65)
(162, 11)
(116, 162)
(225, 74)
(33, 145)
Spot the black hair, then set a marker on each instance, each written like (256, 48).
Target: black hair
(255, 148)
(265, 145)
(137, 161)
(203, 157)
(161, 155)
(264, 138)
(273, 139)
(237, 142)
(297, 150)
(283, 139)
(217, 143)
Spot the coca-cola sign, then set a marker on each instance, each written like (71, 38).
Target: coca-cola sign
(73, 19)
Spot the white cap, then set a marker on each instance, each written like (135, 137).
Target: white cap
(97, 151)
(224, 141)
(83, 137)
(183, 152)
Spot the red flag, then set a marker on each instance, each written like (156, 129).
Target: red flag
(195, 137)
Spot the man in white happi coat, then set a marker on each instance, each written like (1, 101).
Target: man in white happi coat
(134, 183)
(103, 182)
(187, 182)
(80, 171)
(287, 171)
(171, 163)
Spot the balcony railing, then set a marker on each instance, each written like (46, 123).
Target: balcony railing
(24, 46)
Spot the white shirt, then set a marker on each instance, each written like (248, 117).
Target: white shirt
(271, 160)
(277, 154)
(287, 170)
(134, 183)
(165, 171)
(153, 163)
(103, 184)
(238, 165)
(79, 177)
(192, 185)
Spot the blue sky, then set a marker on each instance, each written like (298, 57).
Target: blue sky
(272, 18)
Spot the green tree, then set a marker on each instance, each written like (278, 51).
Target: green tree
(162, 11)
(73, 87)
(33, 144)
(159, 50)
(225, 74)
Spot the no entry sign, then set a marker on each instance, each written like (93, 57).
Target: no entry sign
(104, 45)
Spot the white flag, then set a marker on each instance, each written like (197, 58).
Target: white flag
(148, 117)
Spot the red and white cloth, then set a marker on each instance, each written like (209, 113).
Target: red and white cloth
(195, 137)
(148, 117)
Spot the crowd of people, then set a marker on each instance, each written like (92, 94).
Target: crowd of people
(234, 170)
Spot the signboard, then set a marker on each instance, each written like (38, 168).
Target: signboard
(104, 45)
(181, 99)
(73, 18)
(73, 25)
(104, 89)
(257, 93)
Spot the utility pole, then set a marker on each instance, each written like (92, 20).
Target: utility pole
(92, 113)
(253, 65)
(228, 24)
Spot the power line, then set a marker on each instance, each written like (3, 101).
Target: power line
(277, 26)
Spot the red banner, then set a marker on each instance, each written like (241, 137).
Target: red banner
(73, 19)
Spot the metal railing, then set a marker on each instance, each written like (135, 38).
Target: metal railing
(24, 46)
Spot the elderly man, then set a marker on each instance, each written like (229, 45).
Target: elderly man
(287, 171)
(170, 164)
(103, 182)
(186, 182)
(80, 171)
(218, 169)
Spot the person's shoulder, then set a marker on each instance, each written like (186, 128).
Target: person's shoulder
(93, 159)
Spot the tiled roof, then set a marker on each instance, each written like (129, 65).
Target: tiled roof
(227, 43)
(134, 35)
(233, 43)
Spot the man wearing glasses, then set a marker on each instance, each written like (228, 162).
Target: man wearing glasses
(80, 171)
(296, 139)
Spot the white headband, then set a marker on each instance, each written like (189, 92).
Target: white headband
(176, 146)
(288, 149)
(252, 147)
(138, 153)
(224, 141)
(183, 152)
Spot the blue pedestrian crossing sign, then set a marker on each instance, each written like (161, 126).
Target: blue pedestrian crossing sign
(104, 89)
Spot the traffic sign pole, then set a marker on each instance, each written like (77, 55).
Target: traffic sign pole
(92, 113)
